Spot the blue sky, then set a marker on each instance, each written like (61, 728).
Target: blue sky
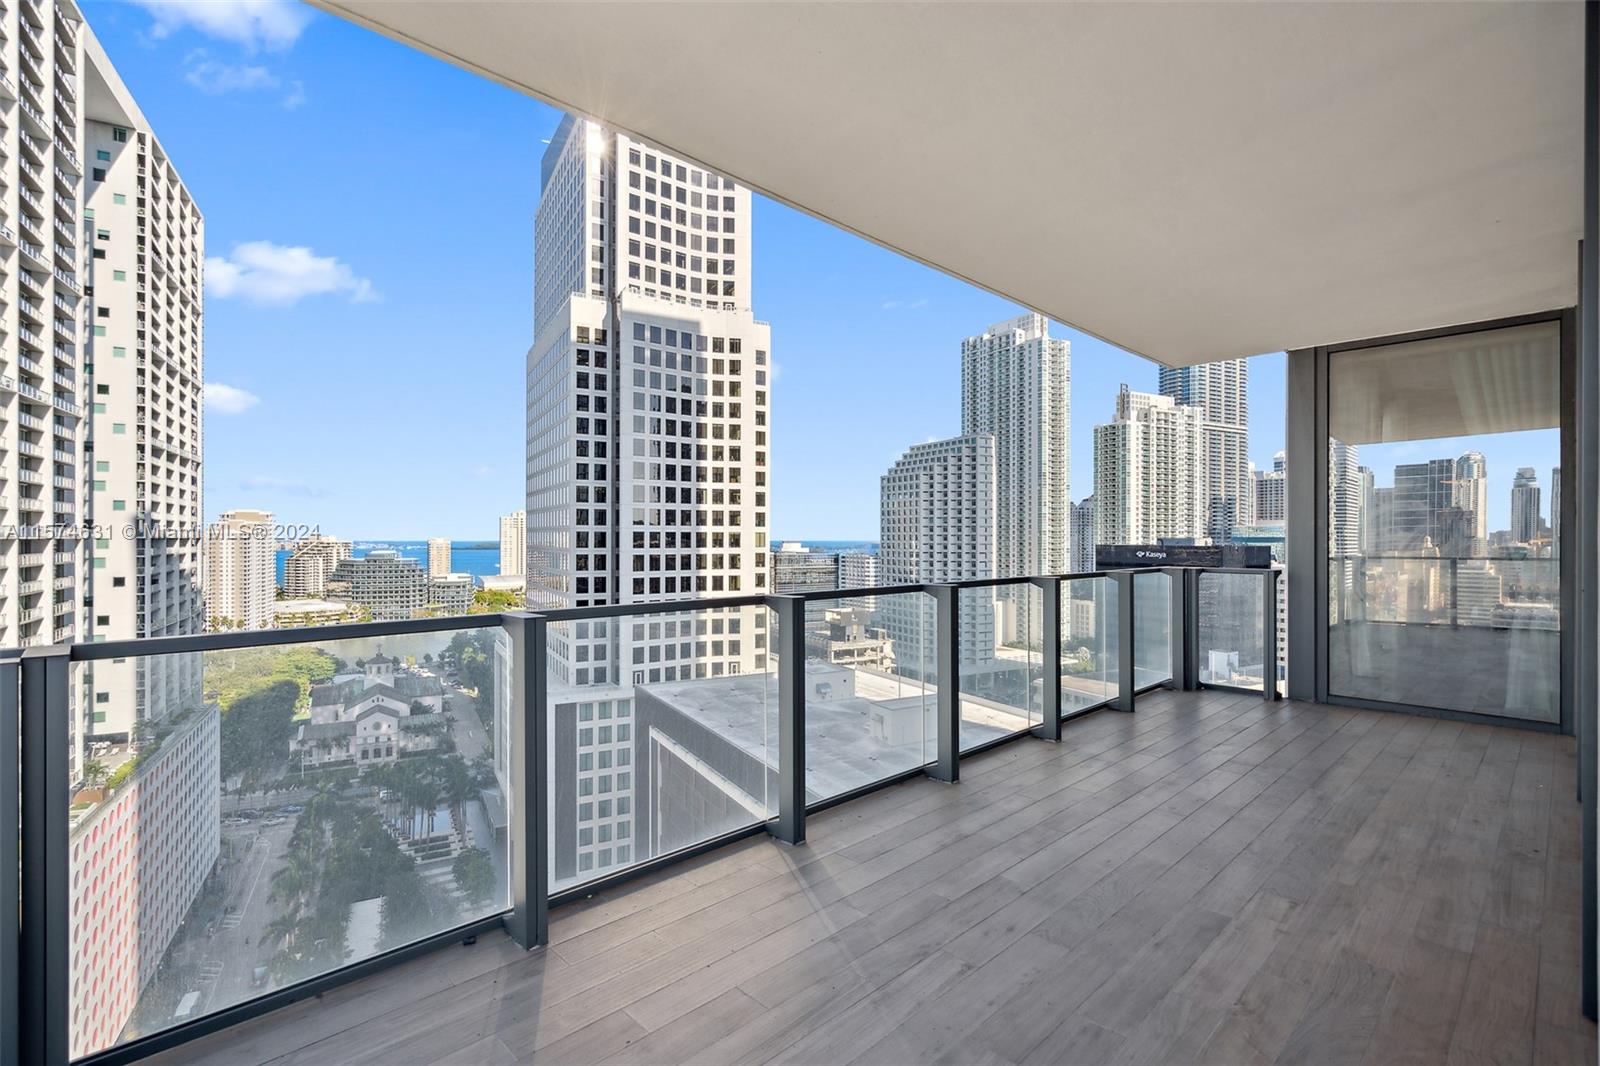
(369, 224)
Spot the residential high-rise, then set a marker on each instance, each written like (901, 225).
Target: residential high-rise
(859, 570)
(1083, 537)
(514, 544)
(1346, 499)
(647, 473)
(96, 188)
(310, 564)
(438, 556)
(386, 583)
(1149, 480)
(1221, 391)
(241, 570)
(43, 565)
(1525, 500)
(1016, 386)
(937, 523)
(1555, 512)
(1472, 494)
(1271, 498)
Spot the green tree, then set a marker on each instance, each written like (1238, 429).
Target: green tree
(474, 874)
(95, 773)
(256, 731)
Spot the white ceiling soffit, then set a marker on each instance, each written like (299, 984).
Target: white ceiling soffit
(1189, 181)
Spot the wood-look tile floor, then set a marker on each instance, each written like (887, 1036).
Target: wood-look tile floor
(1209, 880)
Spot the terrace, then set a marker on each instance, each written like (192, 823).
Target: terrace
(1100, 835)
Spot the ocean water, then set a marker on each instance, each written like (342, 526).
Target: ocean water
(476, 557)
(870, 547)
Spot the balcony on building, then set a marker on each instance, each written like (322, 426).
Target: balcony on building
(1097, 817)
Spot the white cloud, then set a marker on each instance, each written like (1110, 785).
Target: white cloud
(278, 484)
(268, 274)
(295, 96)
(211, 76)
(252, 24)
(227, 400)
(905, 305)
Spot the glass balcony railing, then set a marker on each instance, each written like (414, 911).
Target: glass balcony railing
(215, 825)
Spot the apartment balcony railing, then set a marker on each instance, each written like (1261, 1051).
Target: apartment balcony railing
(780, 705)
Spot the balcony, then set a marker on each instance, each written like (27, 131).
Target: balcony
(888, 860)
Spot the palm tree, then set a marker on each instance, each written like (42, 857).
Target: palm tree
(95, 774)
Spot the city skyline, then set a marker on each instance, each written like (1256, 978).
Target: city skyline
(287, 297)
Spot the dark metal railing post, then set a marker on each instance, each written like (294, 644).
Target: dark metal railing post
(790, 826)
(1455, 589)
(1178, 593)
(947, 626)
(1125, 677)
(46, 878)
(528, 923)
(1050, 658)
(1269, 636)
(1191, 636)
(10, 886)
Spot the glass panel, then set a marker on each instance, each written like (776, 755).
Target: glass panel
(1444, 512)
(1231, 630)
(247, 819)
(663, 734)
(1088, 643)
(1152, 629)
(1002, 685)
(870, 690)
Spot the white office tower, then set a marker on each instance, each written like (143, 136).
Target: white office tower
(859, 570)
(1149, 480)
(514, 544)
(1016, 386)
(241, 572)
(647, 399)
(144, 242)
(42, 562)
(1271, 495)
(1471, 493)
(1221, 391)
(1083, 536)
(309, 565)
(937, 523)
(647, 472)
(438, 556)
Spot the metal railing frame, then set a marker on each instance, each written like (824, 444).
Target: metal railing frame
(35, 704)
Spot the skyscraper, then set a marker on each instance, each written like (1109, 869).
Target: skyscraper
(647, 472)
(241, 570)
(1149, 479)
(43, 565)
(937, 523)
(1472, 495)
(514, 544)
(1525, 500)
(1083, 535)
(859, 570)
(1016, 386)
(1221, 391)
(1555, 512)
(1346, 492)
(1422, 493)
(438, 556)
(647, 383)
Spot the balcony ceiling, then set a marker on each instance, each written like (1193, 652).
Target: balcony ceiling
(1190, 182)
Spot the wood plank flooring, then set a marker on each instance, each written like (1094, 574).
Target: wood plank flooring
(1209, 880)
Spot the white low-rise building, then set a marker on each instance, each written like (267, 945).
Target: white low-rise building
(377, 715)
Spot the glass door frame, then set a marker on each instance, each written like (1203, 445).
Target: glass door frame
(1308, 396)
